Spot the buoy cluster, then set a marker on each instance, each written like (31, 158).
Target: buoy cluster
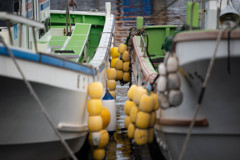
(111, 81)
(141, 114)
(99, 118)
(168, 86)
(120, 61)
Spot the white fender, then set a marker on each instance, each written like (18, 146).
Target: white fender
(109, 102)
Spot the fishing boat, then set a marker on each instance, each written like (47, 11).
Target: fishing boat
(52, 55)
(204, 125)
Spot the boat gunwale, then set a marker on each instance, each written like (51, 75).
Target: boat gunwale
(150, 76)
(204, 35)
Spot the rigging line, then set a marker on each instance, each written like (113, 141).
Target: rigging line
(33, 93)
(229, 53)
(200, 98)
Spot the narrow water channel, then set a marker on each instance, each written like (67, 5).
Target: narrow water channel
(120, 146)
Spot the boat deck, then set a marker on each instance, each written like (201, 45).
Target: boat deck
(75, 43)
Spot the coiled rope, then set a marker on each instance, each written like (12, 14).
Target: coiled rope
(33, 93)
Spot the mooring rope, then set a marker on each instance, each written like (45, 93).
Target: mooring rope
(200, 98)
(33, 93)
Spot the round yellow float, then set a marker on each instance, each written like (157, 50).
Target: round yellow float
(114, 52)
(146, 103)
(98, 154)
(113, 62)
(131, 130)
(119, 75)
(138, 93)
(126, 76)
(141, 136)
(122, 48)
(128, 106)
(125, 56)
(95, 90)
(95, 123)
(133, 114)
(111, 85)
(105, 114)
(152, 119)
(119, 64)
(104, 138)
(131, 91)
(142, 120)
(155, 98)
(127, 121)
(126, 66)
(94, 107)
(111, 73)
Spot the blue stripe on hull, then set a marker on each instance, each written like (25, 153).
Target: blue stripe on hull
(50, 60)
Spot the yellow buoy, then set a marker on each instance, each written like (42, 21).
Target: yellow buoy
(142, 120)
(155, 98)
(122, 48)
(152, 119)
(113, 62)
(133, 114)
(125, 56)
(146, 103)
(95, 90)
(105, 114)
(131, 130)
(138, 93)
(127, 121)
(111, 85)
(126, 76)
(128, 106)
(114, 52)
(94, 107)
(98, 139)
(150, 135)
(111, 73)
(119, 75)
(113, 93)
(98, 154)
(104, 138)
(131, 91)
(141, 136)
(126, 66)
(95, 123)
(119, 64)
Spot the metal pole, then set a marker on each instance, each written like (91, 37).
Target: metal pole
(34, 39)
(9, 32)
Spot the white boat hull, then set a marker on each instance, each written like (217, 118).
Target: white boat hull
(25, 127)
(220, 106)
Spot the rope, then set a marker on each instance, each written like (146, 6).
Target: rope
(33, 93)
(200, 98)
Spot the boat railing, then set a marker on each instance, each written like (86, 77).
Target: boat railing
(143, 46)
(15, 19)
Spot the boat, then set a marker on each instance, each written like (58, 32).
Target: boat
(204, 125)
(58, 53)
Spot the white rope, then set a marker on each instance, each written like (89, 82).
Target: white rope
(201, 96)
(33, 93)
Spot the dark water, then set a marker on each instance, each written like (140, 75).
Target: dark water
(126, 11)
